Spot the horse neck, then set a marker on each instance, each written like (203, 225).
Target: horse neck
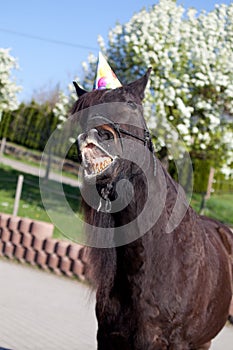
(129, 259)
(155, 242)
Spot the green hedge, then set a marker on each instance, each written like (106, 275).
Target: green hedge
(31, 126)
(201, 170)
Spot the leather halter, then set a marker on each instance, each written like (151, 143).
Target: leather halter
(116, 127)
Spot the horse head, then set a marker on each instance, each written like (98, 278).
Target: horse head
(109, 118)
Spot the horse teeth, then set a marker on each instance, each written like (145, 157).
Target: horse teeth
(99, 164)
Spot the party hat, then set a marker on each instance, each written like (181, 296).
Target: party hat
(105, 77)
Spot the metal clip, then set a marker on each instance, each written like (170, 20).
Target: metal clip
(108, 205)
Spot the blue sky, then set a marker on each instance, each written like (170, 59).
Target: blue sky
(44, 64)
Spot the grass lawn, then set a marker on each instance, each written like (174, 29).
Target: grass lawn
(31, 205)
(219, 206)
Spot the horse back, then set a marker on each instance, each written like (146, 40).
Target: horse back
(223, 234)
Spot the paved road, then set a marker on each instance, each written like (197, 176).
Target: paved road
(33, 170)
(39, 311)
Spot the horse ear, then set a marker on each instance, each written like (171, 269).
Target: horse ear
(138, 86)
(79, 91)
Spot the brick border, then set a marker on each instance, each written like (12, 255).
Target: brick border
(30, 241)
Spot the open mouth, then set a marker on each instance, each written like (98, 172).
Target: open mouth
(95, 159)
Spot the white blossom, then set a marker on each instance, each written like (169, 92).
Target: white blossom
(192, 78)
(8, 87)
(60, 108)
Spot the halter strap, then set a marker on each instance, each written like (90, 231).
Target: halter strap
(120, 131)
(146, 139)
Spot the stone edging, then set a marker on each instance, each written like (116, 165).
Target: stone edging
(31, 241)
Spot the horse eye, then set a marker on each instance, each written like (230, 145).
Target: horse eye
(105, 134)
(132, 105)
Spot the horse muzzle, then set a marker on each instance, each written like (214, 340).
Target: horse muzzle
(97, 151)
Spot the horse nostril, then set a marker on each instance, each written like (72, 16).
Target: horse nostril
(93, 134)
(81, 138)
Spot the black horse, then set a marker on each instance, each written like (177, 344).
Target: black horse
(160, 290)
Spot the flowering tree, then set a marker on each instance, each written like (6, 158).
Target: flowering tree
(8, 88)
(192, 79)
(60, 108)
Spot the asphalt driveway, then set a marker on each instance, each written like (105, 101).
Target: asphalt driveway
(39, 310)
